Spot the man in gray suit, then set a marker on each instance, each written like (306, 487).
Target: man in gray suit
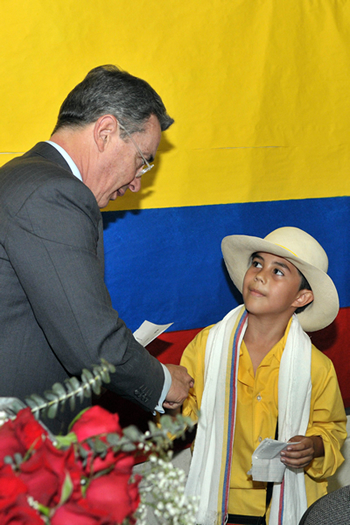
(56, 316)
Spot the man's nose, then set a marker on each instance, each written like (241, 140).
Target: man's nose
(135, 185)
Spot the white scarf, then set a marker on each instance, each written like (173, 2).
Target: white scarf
(210, 467)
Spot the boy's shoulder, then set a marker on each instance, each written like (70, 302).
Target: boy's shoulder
(319, 361)
(196, 347)
(200, 340)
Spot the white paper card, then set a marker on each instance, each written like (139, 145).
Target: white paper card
(266, 463)
(148, 331)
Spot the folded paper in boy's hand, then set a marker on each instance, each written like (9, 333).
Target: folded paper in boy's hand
(266, 463)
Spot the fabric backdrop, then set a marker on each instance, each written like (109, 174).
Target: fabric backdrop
(259, 91)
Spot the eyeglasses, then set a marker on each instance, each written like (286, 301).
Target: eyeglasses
(146, 166)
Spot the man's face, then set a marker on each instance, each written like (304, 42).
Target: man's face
(121, 162)
(271, 286)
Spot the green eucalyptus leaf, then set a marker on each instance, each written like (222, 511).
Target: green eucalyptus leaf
(63, 404)
(186, 420)
(114, 439)
(73, 382)
(153, 428)
(31, 402)
(86, 375)
(97, 371)
(50, 396)
(69, 387)
(96, 385)
(90, 442)
(72, 403)
(83, 453)
(107, 365)
(52, 410)
(166, 421)
(132, 433)
(38, 399)
(73, 390)
(16, 406)
(99, 446)
(18, 458)
(36, 413)
(105, 376)
(87, 390)
(128, 447)
(59, 389)
(80, 394)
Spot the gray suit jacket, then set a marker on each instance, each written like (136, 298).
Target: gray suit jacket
(56, 316)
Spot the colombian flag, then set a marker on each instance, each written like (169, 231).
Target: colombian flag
(264, 143)
(260, 94)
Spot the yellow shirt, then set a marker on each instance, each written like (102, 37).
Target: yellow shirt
(256, 418)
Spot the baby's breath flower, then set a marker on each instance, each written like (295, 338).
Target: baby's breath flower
(163, 490)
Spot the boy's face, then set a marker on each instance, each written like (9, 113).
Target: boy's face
(271, 286)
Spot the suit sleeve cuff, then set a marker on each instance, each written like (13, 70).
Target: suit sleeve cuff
(166, 387)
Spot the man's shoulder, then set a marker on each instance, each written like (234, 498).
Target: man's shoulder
(40, 173)
(42, 161)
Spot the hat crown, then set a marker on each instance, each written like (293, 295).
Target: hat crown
(301, 244)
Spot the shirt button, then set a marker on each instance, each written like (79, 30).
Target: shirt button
(258, 397)
(260, 439)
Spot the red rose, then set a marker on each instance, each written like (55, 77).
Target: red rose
(19, 435)
(97, 463)
(21, 514)
(124, 463)
(45, 472)
(115, 494)
(28, 429)
(80, 513)
(10, 487)
(95, 421)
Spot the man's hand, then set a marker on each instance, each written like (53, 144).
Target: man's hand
(181, 382)
(301, 454)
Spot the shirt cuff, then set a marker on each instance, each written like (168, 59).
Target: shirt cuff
(166, 387)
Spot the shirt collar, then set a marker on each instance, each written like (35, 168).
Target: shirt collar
(68, 159)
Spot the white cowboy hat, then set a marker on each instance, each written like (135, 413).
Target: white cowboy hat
(302, 250)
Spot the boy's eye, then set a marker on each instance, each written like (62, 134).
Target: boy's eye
(278, 271)
(256, 264)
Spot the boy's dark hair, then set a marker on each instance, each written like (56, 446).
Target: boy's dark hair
(304, 285)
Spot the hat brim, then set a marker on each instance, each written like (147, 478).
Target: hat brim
(237, 251)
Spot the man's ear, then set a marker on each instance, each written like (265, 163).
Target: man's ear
(303, 298)
(105, 127)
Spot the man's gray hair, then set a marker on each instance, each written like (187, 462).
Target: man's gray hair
(109, 90)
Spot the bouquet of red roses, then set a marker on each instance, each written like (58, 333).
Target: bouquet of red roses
(81, 479)
(86, 477)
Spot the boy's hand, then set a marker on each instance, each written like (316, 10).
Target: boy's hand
(301, 454)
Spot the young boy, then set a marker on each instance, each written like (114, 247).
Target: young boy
(257, 366)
